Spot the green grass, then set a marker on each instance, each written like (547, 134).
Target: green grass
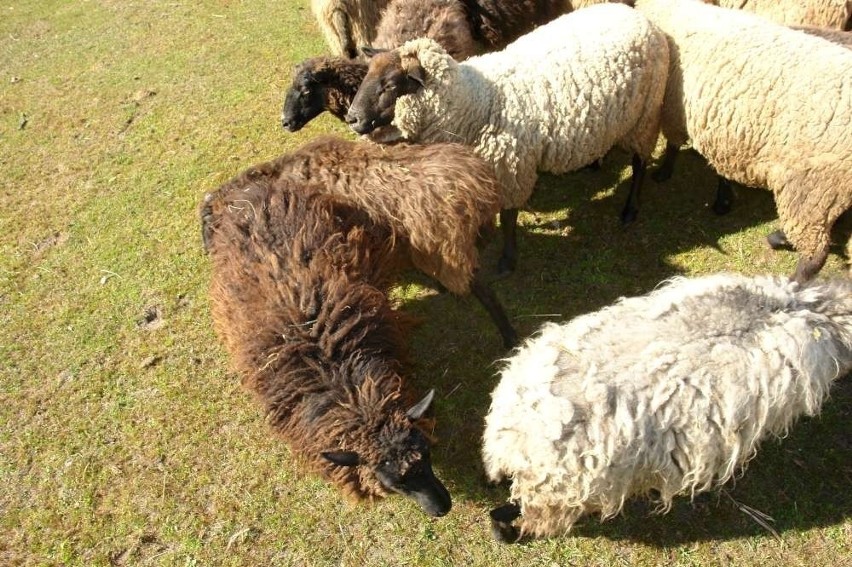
(124, 437)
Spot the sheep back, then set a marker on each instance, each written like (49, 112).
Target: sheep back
(671, 391)
(598, 80)
(834, 14)
(436, 198)
(445, 21)
(748, 95)
(298, 298)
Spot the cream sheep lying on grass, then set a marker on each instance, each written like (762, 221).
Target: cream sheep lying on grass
(555, 100)
(667, 393)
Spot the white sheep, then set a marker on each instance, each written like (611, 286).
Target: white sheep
(836, 14)
(555, 100)
(767, 106)
(668, 393)
(348, 24)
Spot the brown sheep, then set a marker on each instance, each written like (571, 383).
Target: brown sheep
(299, 299)
(438, 197)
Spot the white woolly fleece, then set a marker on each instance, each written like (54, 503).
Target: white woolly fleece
(555, 100)
(767, 106)
(831, 14)
(670, 391)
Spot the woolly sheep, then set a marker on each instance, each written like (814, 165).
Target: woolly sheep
(437, 197)
(463, 28)
(763, 115)
(348, 24)
(298, 296)
(598, 80)
(667, 393)
(836, 14)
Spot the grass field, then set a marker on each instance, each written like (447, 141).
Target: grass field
(126, 440)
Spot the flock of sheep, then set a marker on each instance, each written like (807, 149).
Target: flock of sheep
(660, 395)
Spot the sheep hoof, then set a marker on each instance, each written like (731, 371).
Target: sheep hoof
(506, 266)
(661, 174)
(629, 216)
(723, 205)
(778, 241)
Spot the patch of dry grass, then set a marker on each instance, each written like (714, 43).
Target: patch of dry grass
(125, 439)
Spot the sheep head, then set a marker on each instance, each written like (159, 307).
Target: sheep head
(401, 461)
(389, 76)
(321, 84)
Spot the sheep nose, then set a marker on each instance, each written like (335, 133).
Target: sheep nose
(351, 118)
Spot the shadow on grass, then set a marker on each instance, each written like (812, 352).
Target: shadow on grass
(576, 262)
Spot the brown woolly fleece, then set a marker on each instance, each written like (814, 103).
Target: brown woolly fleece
(298, 297)
(437, 196)
(497, 23)
(445, 21)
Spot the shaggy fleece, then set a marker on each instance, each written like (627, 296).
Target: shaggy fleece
(749, 95)
(555, 100)
(671, 391)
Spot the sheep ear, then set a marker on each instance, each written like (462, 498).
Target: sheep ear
(369, 52)
(342, 458)
(417, 74)
(418, 409)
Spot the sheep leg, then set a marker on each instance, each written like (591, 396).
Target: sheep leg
(631, 207)
(492, 305)
(807, 268)
(501, 522)
(778, 241)
(341, 24)
(508, 226)
(724, 197)
(664, 172)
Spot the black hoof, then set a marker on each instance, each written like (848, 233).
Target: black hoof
(722, 206)
(506, 266)
(778, 241)
(511, 340)
(660, 175)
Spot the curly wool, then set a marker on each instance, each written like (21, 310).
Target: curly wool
(836, 14)
(348, 24)
(671, 392)
(438, 196)
(445, 21)
(298, 296)
(598, 80)
(748, 95)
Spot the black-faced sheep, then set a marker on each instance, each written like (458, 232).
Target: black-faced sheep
(348, 24)
(298, 296)
(436, 197)
(668, 393)
(763, 115)
(321, 84)
(462, 27)
(598, 80)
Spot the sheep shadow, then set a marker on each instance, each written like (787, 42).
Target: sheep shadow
(576, 257)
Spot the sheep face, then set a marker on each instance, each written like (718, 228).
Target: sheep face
(387, 79)
(305, 98)
(401, 461)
